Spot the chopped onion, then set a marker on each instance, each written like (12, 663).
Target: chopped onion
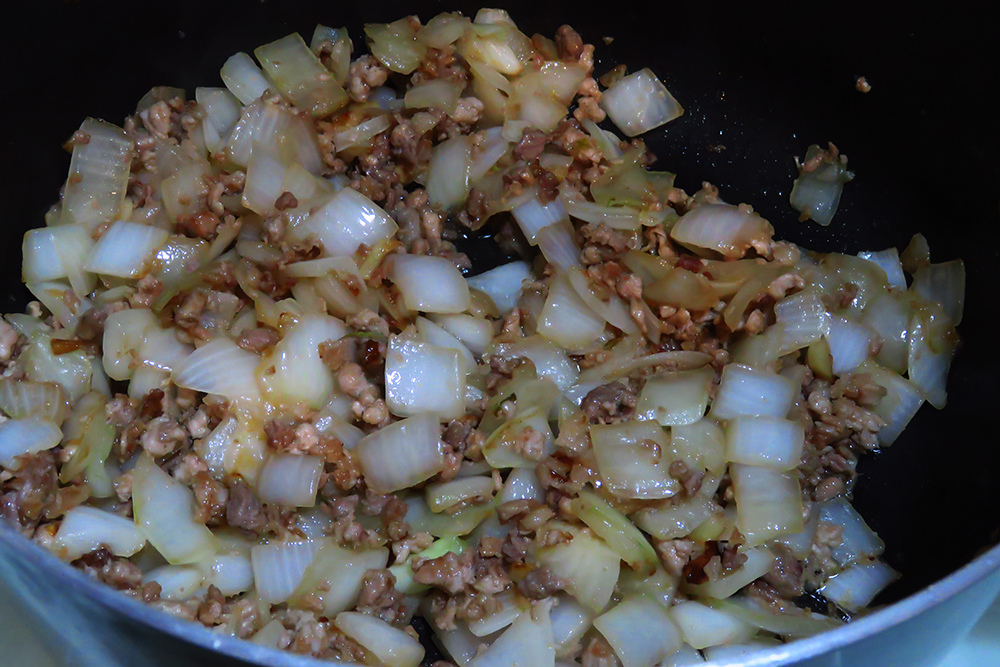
(432, 333)
(522, 484)
(222, 110)
(290, 480)
(858, 585)
(617, 531)
(362, 134)
(300, 76)
(440, 94)
(124, 336)
(889, 316)
(849, 345)
(640, 631)
(888, 261)
(532, 216)
(944, 284)
(589, 567)
(98, 174)
(430, 284)
(462, 522)
(737, 653)
(630, 458)
(769, 502)
(682, 289)
(338, 52)
(20, 399)
(444, 496)
(570, 621)
(421, 377)
(84, 529)
(758, 563)
(219, 367)
(126, 250)
(640, 102)
(294, 371)
(346, 222)
(605, 302)
(700, 445)
(502, 449)
(703, 626)
(528, 641)
(177, 582)
(448, 183)
(335, 576)
(901, 402)
(684, 657)
(550, 360)
(443, 30)
(677, 398)
(789, 622)
(804, 320)
(50, 253)
(675, 520)
(391, 646)
(164, 513)
(401, 454)
(270, 635)
(278, 567)
(773, 442)
(728, 230)
(858, 542)
(566, 320)
(746, 392)
(932, 345)
(395, 45)
(502, 284)
(243, 78)
(475, 333)
(20, 437)
(558, 245)
(816, 193)
(231, 573)
(511, 606)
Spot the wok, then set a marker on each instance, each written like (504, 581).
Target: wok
(759, 85)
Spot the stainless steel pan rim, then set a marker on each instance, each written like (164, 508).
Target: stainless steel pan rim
(76, 582)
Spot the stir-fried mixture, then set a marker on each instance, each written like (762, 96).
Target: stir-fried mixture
(263, 388)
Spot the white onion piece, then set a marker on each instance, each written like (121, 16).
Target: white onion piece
(270, 635)
(487, 154)
(728, 230)
(929, 357)
(677, 520)
(475, 333)
(299, 375)
(502, 284)
(391, 646)
(565, 318)
(640, 631)
(401, 454)
(424, 378)
(901, 402)
(588, 566)
(50, 253)
(462, 522)
(703, 626)
(22, 398)
(362, 134)
(858, 541)
(278, 567)
(804, 320)
(20, 437)
(72, 371)
(222, 110)
(729, 654)
(944, 284)
(126, 249)
(219, 367)
(435, 335)
(616, 217)
(231, 573)
(177, 582)
(145, 379)
(290, 480)
(164, 513)
(443, 30)
(300, 76)
(461, 645)
(430, 284)
(888, 261)
(617, 531)
(162, 350)
(684, 657)
(768, 501)
(550, 360)
(889, 316)
(558, 245)
(849, 345)
(570, 621)
(446, 495)
(56, 296)
(700, 445)
(84, 529)
(98, 174)
(511, 606)
(528, 641)
(611, 307)
(675, 399)
(743, 391)
(243, 78)
(630, 457)
(346, 222)
(522, 484)
(124, 336)
(773, 442)
(335, 576)
(758, 563)
(448, 183)
(532, 216)
(440, 94)
(640, 102)
(858, 585)
(215, 449)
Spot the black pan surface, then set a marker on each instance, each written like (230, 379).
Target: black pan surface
(758, 84)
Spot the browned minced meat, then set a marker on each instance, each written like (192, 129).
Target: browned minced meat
(379, 596)
(29, 492)
(540, 583)
(610, 403)
(450, 572)
(258, 339)
(212, 499)
(243, 509)
(116, 572)
(690, 479)
(785, 576)
(599, 653)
